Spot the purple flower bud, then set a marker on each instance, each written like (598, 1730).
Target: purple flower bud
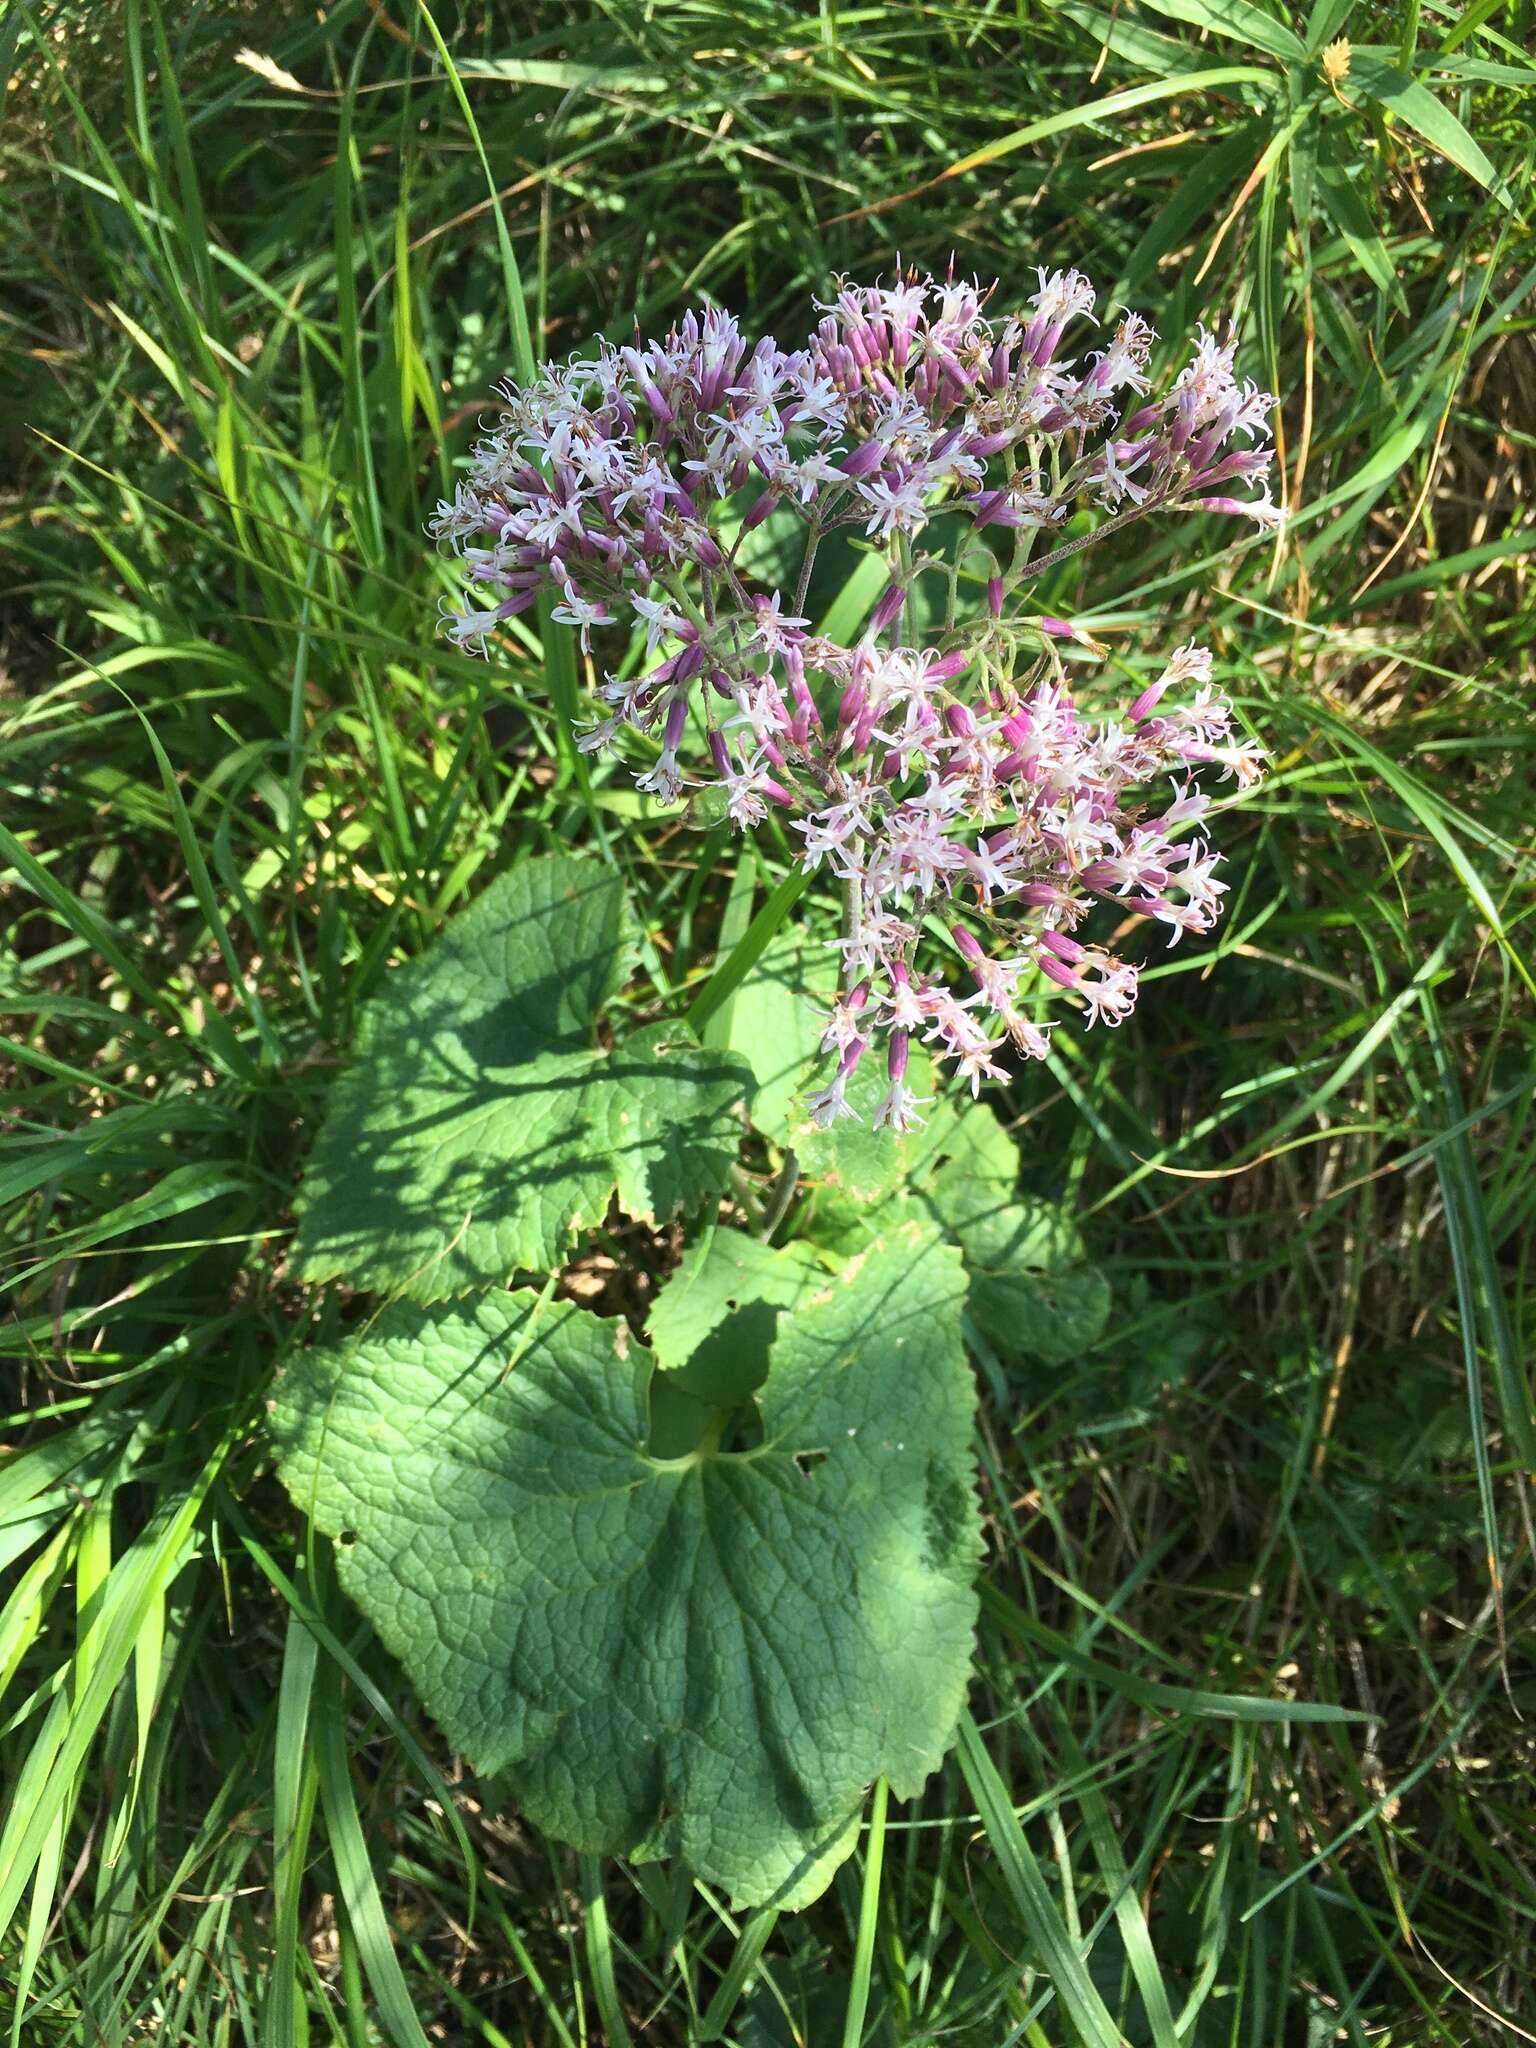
(1064, 948)
(806, 718)
(661, 412)
(888, 609)
(677, 718)
(862, 460)
(896, 1056)
(967, 943)
(1057, 971)
(720, 753)
(947, 363)
(1259, 509)
(841, 366)
(1046, 347)
(865, 348)
(761, 507)
(1147, 701)
(949, 665)
(995, 596)
(992, 508)
(961, 725)
(852, 705)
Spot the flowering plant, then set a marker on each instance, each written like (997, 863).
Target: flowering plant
(689, 1590)
(972, 812)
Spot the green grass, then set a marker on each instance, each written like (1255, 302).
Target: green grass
(248, 331)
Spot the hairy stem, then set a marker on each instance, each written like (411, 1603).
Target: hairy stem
(853, 926)
(1085, 540)
(780, 1195)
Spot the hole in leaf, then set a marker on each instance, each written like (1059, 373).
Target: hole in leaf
(809, 1460)
(347, 1538)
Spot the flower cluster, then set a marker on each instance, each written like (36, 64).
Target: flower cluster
(972, 813)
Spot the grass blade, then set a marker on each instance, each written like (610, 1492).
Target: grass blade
(1056, 1953)
(354, 1870)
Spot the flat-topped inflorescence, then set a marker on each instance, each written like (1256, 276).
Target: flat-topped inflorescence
(972, 812)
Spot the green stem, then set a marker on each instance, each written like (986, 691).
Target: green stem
(744, 1188)
(780, 1196)
(853, 925)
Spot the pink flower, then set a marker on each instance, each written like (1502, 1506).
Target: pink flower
(952, 782)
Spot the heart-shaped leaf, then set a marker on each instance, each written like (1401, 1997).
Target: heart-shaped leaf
(479, 1126)
(709, 1656)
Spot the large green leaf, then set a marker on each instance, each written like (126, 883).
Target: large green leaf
(479, 1126)
(776, 1025)
(709, 1656)
(1032, 1292)
(712, 1324)
(711, 1328)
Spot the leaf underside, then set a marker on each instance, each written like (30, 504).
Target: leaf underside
(711, 1656)
(478, 1127)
